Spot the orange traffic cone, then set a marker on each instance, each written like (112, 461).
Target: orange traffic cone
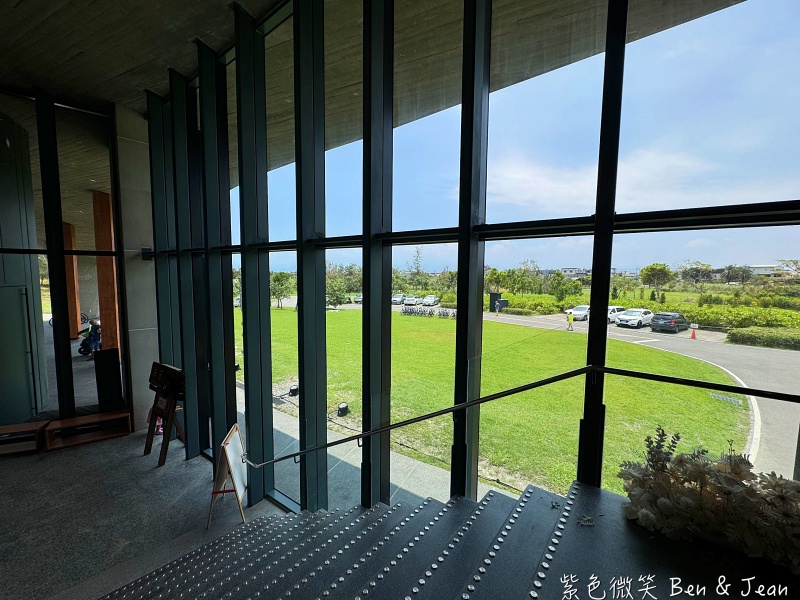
(694, 335)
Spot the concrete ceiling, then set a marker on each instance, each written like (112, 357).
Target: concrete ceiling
(94, 53)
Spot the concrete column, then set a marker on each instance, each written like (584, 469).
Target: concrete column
(139, 286)
(106, 269)
(73, 289)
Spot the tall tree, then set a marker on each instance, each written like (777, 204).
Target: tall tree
(557, 284)
(399, 281)
(656, 275)
(493, 280)
(531, 277)
(792, 265)
(697, 274)
(418, 279)
(737, 274)
(281, 285)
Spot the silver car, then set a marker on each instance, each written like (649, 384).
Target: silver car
(579, 313)
(430, 300)
(412, 300)
(634, 317)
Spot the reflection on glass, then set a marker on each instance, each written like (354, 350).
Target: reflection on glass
(705, 420)
(709, 105)
(421, 461)
(85, 175)
(233, 152)
(281, 184)
(544, 111)
(427, 113)
(85, 300)
(21, 216)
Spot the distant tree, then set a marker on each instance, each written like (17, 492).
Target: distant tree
(656, 275)
(623, 285)
(44, 273)
(352, 275)
(281, 285)
(653, 295)
(237, 282)
(737, 274)
(493, 280)
(697, 274)
(447, 281)
(335, 291)
(790, 264)
(418, 279)
(557, 284)
(399, 281)
(614, 292)
(663, 298)
(531, 277)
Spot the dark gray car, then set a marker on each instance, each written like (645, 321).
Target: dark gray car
(669, 321)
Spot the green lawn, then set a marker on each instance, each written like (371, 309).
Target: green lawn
(531, 437)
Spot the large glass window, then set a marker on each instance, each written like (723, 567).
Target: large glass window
(427, 113)
(709, 106)
(281, 183)
(544, 111)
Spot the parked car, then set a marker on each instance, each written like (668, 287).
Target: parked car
(237, 302)
(613, 311)
(398, 298)
(669, 321)
(412, 300)
(430, 300)
(358, 299)
(579, 313)
(634, 317)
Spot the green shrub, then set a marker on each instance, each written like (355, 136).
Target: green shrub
(767, 337)
(518, 311)
(450, 305)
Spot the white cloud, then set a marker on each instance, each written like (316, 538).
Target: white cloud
(648, 179)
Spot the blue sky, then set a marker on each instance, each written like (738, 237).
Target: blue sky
(710, 117)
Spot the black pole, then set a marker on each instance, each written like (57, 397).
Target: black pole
(590, 444)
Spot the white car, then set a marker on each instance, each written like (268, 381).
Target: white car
(634, 317)
(398, 298)
(579, 313)
(412, 300)
(237, 302)
(613, 311)
(430, 300)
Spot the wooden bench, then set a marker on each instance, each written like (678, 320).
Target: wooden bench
(22, 437)
(88, 428)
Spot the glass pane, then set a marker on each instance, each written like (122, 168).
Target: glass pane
(635, 408)
(344, 74)
(420, 461)
(233, 152)
(718, 306)
(21, 216)
(544, 110)
(285, 370)
(343, 345)
(27, 370)
(532, 437)
(530, 286)
(427, 113)
(281, 184)
(710, 105)
(86, 302)
(423, 331)
(85, 174)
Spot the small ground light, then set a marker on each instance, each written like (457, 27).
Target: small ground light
(294, 391)
(342, 409)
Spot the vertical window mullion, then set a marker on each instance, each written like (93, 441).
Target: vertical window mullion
(377, 261)
(471, 212)
(590, 443)
(309, 69)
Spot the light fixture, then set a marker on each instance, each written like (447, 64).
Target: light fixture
(294, 390)
(342, 409)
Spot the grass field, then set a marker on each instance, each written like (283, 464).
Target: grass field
(530, 437)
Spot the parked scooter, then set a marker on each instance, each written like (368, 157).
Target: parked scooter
(85, 348)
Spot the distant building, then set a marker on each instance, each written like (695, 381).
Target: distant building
(766, 270)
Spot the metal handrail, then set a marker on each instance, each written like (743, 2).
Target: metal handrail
(530, 386)
(425, 417)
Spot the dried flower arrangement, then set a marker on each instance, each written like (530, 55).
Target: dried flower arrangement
(717, 499)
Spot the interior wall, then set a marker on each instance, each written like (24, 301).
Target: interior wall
(139, 286)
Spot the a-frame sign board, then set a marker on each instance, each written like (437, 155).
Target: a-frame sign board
(230, 466)
(168, 383)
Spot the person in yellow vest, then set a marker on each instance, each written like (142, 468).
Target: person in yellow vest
(570, 318)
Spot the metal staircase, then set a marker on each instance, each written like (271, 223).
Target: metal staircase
(538, 546)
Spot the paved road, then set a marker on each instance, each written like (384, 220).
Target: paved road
(777, 423)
